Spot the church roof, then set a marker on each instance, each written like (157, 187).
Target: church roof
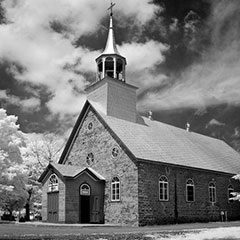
(70, 171)
(160, 142)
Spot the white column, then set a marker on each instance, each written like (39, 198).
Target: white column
(103, 68)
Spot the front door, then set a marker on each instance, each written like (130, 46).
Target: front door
(85, 209)
(85, 196)
(52, 206)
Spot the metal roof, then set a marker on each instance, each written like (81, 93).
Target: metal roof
(160, 142)
(111, 47)
(70, 171)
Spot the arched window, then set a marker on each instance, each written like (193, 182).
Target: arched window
(212, 192)
(109, 67)
(163, 189)
(115, 189)
(53, 183)
(230, 190)
(190, 191)
(85, 190)
(119, 69)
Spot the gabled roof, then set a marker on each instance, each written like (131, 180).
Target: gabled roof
(160, 142)
(70, 171)
(154, 141)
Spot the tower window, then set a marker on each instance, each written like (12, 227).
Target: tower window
(119, 70)
(190, 191)
(163, 189)
(109, 67)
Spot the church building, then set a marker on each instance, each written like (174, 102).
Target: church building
(122, 168)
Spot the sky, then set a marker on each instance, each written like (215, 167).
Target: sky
(183, 56)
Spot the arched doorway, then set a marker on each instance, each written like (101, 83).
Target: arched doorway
(85, 197)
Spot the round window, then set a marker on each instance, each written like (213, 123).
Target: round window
(90, 158)
(90, 126)
(115, 152)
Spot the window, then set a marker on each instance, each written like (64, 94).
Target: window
(115, 152)
(90, 126)
(190, 191)
(53, 183)
(85, 190)
(163, 188)
(212, 192)
(115, 189)
(90, 158)
(230, 190)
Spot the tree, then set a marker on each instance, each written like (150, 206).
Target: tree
(11, 179)
(39, 151)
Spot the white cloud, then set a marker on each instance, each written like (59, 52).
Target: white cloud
(27, 104)
(215, 79)
(215, 122)
(49, 57)
(142, 59)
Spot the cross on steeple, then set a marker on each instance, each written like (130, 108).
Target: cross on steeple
(111, 8)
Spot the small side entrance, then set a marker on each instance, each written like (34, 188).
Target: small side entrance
(91, 197)
(85, 196)
(85, 209)
(52, 206)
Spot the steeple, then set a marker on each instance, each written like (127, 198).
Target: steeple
(111, 63)
(110, 92)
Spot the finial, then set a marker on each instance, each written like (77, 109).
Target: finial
(187, 126)
(111, 8)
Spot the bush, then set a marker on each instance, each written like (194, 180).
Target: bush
(8, 217)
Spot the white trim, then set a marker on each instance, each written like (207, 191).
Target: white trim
(119, 188)
(53, 187)
(165, 186)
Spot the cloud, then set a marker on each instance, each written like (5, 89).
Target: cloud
(143, 59)
(213, 79)
(40, 36)
(214, 122)
(27, 104)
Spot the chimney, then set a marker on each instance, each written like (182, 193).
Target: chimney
(149, 115)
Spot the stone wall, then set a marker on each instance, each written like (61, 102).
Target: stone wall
(177, 209)
(100, 142)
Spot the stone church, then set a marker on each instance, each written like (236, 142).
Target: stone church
(121, 168)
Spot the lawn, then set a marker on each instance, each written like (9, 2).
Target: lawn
(210, 231)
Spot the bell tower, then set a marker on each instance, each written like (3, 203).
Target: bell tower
(110, 91)
(111, 63)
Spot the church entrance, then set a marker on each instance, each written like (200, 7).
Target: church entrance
(91, 197)
(85, 196)
(52, 206)
(85, 209)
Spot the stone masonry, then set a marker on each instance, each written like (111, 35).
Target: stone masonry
(100, 142)
(177, 209)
